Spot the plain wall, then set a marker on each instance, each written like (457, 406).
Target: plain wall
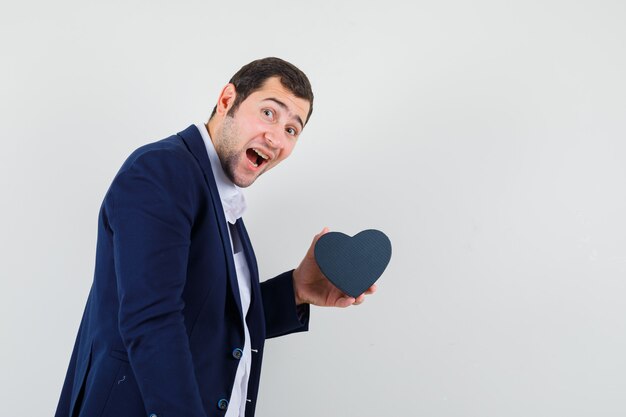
(486, 138)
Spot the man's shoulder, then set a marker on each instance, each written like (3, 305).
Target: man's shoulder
(171, 150)
(170, 145)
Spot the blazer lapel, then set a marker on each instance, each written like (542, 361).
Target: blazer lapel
(257, 326)
(196, 146)
(247, 247)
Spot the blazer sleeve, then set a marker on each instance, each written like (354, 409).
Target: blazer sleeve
(282, 316)
(150, 207)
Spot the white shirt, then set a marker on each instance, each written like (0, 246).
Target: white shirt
(234, 205)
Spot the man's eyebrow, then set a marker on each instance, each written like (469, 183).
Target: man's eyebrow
(284, 106)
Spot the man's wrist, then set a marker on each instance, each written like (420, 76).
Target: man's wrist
(296, 287)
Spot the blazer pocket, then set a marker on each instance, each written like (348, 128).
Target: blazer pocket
(124, 398)
(119, 354)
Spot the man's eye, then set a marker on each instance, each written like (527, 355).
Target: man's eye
(292, 131)
(268, 113)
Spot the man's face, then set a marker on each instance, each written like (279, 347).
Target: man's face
(262, 132)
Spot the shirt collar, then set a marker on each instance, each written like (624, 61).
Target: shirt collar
(232, 197)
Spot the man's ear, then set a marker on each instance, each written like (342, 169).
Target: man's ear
(226, 99)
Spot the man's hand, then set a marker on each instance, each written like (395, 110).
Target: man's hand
(312, 287)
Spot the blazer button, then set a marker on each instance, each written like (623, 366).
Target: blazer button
(222, 404)
(237, 353)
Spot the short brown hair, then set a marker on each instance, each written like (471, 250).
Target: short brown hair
(252, 76)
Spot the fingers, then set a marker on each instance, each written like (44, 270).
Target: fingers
(347, 301)
(344, 302)
(371, 290)
(361, 298)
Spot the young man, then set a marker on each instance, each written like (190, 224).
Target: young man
(176, 318)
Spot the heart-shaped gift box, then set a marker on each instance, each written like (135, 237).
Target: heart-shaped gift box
(353, 264)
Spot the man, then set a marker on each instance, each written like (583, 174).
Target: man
(176, 319)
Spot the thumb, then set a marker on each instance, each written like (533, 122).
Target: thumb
(315, 239)
(322, 233)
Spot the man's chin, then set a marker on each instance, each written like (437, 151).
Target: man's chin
(245, 182)
(244, 177)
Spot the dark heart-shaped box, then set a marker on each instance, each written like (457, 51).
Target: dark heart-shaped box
(353, 264)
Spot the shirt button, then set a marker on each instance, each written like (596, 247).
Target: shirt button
(222, 404)
(237, 353)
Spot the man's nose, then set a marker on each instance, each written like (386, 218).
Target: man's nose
(273, 136)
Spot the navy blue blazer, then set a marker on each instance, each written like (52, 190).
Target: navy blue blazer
(162, 330)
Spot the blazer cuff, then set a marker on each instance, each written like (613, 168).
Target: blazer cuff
(282, 316)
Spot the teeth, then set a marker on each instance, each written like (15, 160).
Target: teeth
(261, 154)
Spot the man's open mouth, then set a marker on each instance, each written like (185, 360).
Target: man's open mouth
(256, 157)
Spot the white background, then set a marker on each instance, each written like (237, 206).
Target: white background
(486, 138)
